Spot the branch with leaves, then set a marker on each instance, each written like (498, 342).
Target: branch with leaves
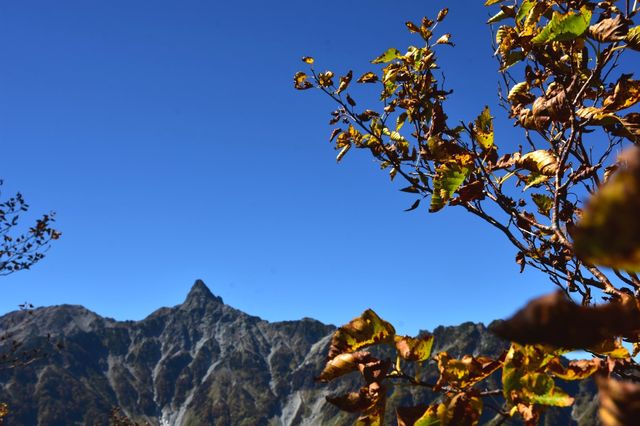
(564, 86)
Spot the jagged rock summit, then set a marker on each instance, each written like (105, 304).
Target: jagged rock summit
(198, 363)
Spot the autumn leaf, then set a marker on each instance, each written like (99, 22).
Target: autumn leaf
(308, 60)
(366, 330)
(344, 82)
(388, 56)
(625, 94)
(539, 161)
(300, 81)
(448, 179)
(483, 129)
(414, 349)
(445, 39)
(325, 79)
(465, 372)
(633, 38)
(368, 77)
(574, 370)
(609, 30)
(343, 364)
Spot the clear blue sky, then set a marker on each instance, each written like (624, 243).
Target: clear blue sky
(170, 142)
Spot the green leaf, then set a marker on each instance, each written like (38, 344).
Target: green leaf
(448, 179)
(540, 389)
(388, 56)
(497, 17)
(483, 129)
(524, 10)
(491, 2)
(535, 179)
(564, 27)
(366, 330)
(543, 202)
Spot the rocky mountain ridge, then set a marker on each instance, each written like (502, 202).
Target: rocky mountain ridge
(198, 363)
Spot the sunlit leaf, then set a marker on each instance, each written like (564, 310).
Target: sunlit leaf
(633, 38)
(465, 372)
(448, 179)
(325, 79)
(574, 370)
(483, 129)
(366, 330)
(388, 56)
(540, 161)
(300, 81)
(442, 14)
(368, 77)
(524, 9)
(344, 82)
(414, 349)
(625, 94)
(445, 39)
(308, 59)
(343, 364)
(564, 27)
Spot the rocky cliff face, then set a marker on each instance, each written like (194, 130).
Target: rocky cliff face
(199, 363)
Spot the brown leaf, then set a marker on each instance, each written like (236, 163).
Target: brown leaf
(619, 402)
(469, 192)
(374, 370)
(368, 77)
(609, 30)
(553, 105)
(300, 81)
(556, 321)
(343, 364)
(344, 82)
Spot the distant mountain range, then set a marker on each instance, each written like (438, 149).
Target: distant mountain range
(201, 363)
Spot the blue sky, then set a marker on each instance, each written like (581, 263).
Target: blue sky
(168, 138)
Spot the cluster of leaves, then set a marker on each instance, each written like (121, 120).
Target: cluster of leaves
(563, 85)
(528, 375)
(18, 252)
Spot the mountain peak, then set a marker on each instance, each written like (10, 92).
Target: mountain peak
(200, 293)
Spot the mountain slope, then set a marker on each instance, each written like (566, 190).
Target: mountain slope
(199, 363)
